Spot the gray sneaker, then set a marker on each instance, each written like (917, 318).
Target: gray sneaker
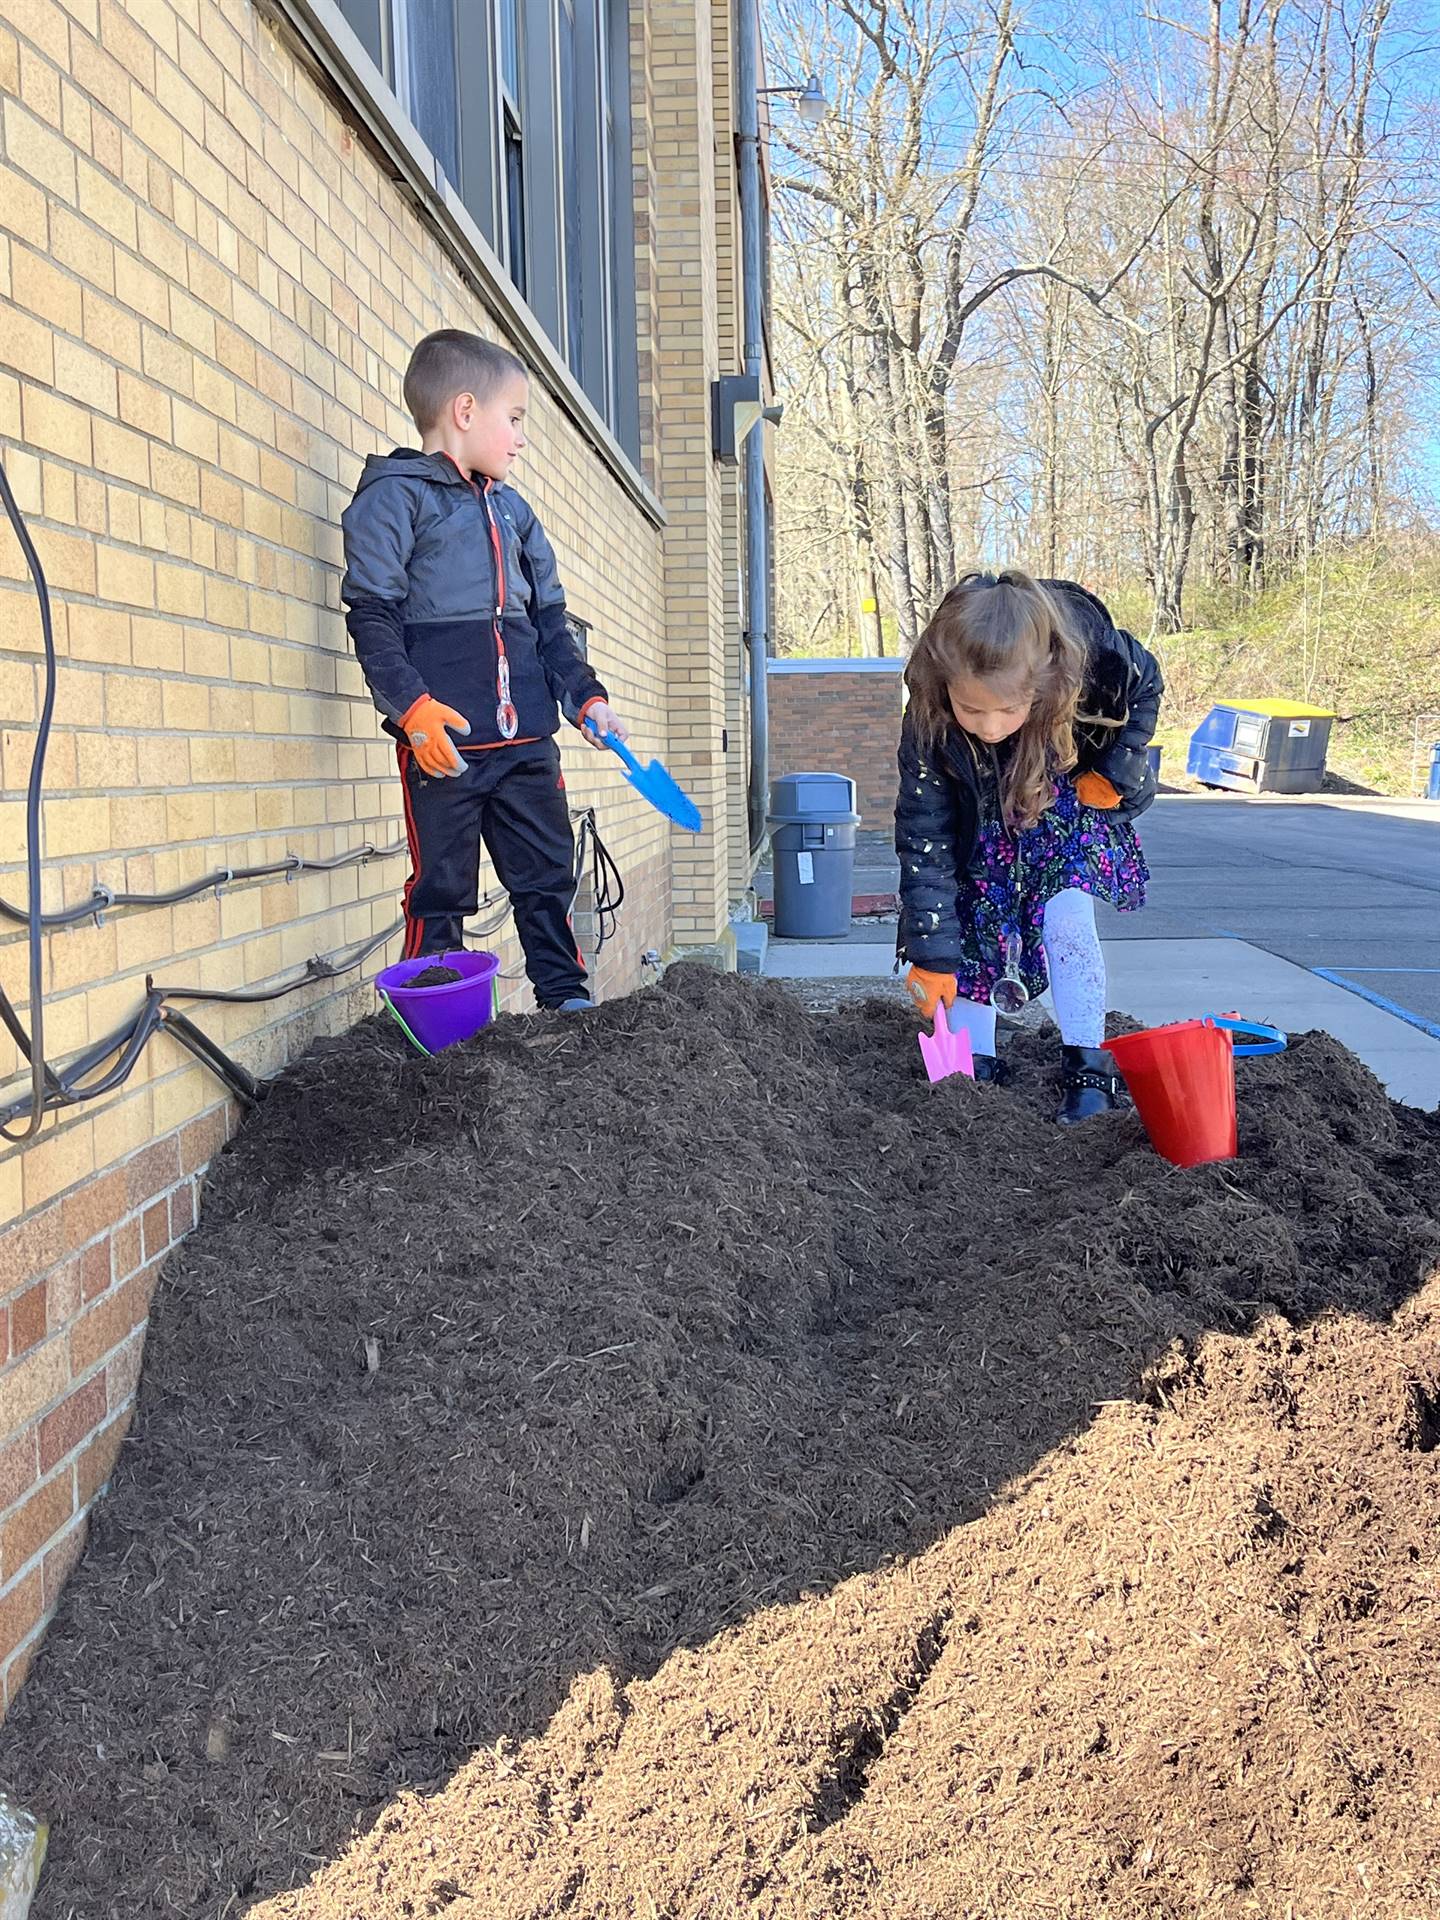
(576, 1004)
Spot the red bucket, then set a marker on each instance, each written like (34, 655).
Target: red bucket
(1182, 1080)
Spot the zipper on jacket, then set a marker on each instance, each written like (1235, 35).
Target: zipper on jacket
(507, 717)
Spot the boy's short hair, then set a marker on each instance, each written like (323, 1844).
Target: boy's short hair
(451, 362)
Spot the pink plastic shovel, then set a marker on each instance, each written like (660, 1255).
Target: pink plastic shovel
(947, 1050)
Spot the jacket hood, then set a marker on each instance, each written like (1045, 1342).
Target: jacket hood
(410, 464)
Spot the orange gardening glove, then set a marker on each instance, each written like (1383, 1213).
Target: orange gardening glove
(424, 726)
(1096, 791)
(928, 990)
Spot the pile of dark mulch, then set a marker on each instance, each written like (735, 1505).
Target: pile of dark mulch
(591, 1340)
(436, 976)
(1190, 1666)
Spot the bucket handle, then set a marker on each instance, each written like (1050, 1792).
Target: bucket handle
(1272, 1039)
(404, 1025)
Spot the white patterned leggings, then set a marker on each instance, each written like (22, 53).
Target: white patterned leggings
(1077, 978)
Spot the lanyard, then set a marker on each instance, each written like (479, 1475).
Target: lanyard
(1009, 993)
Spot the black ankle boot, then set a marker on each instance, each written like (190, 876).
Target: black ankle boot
(1089, 1084)
(990, 1071)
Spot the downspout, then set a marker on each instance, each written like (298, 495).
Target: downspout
(757, 545)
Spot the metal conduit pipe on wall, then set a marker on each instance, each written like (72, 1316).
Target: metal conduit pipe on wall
(757, 544)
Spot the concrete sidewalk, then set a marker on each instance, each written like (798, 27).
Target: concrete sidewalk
(1156, 981)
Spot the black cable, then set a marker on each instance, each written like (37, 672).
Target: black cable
(130, 1043)
(73, 1072)
(71, 1088)
(606, 886)
(609, 890)
(32, 1046)
(103, 899)
(319, 967)
(245, 1087)
(66, 1088)
(52, 1089)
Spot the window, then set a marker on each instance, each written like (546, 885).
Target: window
(572, 168)
(428, 69)
(525, 106)
(367, 17)
(512, 139)
(624, 414)
(510, 45)
(595, 173)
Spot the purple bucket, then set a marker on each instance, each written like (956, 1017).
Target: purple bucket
(436, 1017)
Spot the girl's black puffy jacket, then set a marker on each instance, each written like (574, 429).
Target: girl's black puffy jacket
(946, 791)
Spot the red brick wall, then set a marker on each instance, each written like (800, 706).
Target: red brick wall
(75, 1286)
(845, 719)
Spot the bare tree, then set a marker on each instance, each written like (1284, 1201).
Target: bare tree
(1152, 330)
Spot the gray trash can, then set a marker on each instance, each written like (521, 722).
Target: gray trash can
(812, 823)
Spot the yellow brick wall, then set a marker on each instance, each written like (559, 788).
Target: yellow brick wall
(690, 131)
(730, 345)
(646, 187)
(209, 287)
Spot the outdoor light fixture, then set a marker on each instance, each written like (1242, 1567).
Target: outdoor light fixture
(736, 405)
(810, 101)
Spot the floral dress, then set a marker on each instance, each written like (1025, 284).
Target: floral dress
(1012, 875)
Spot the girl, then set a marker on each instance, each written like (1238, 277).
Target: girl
(1022, 764)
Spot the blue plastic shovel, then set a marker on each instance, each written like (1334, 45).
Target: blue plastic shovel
(655, 784)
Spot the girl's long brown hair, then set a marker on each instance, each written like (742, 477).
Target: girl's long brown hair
(1006, 628)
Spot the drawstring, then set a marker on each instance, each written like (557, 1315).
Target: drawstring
(506, 716)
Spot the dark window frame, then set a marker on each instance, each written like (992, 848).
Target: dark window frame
(510, 132)
(624, 413)
(405, 25)
(605, 341)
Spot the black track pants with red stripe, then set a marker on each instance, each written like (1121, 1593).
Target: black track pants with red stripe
(513, 800)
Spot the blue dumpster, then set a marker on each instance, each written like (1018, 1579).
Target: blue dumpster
(1261, 746)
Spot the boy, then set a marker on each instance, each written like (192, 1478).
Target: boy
(457, 616)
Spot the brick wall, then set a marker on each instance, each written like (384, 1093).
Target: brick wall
(78, 1276)
(730, 350)
(839, 716)
(209, 285)
(694, 121)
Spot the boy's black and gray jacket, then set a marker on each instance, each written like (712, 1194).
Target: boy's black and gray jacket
(445, 577)
(948, 790)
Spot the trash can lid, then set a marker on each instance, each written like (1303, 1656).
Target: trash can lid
(821, 798)
(1279, 709)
